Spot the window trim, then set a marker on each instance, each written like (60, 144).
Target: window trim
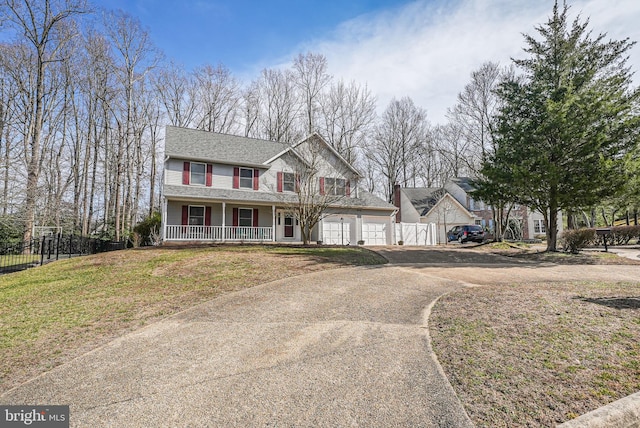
(240, 178)
(539, 226)
(331, 187)
(204, 214)
(286, 182)
(204, 174)
(240, 216)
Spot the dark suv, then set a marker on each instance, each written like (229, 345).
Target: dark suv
(466, 233)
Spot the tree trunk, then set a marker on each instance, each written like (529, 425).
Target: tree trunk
(552, 229)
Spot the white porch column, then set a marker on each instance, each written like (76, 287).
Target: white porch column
(164, 219)
(273, 222)
(224, 211)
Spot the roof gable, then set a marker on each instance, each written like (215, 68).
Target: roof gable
(328, 146)
(448, 196)
(423, 198)
(427, 199)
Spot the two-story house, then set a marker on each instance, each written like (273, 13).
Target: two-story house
(226, 188)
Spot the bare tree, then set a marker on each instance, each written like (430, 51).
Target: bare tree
(9, 92)
(397, 141)
(218, 98)
(177, 92)
(279, 106)
(137, 57)
(346, 117)
(39, 23)
(251, 109)
(456, 153)
(476, 108)
(310, 74)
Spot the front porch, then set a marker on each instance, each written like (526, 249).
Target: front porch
(228, 222)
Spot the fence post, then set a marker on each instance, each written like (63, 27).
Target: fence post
(42, 250)
(59, 236)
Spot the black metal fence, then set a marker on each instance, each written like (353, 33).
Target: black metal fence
(23, 255)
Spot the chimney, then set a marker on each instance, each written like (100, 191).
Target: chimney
(396, 202)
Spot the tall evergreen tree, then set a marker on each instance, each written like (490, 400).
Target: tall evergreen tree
(566, 121)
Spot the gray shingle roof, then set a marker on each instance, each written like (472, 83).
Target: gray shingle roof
(194, 144)
(364, 201)
(423, 198)
(464, 183)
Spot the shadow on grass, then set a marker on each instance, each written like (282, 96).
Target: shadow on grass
(613, 302)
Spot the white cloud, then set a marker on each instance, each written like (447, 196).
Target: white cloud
(427, 50)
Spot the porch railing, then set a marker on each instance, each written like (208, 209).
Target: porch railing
(218, 233)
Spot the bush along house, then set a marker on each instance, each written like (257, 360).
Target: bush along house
(228, 188)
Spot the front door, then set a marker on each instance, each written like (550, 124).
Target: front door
(288, 226)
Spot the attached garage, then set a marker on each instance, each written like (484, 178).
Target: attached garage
(375, 232)
(336, 232)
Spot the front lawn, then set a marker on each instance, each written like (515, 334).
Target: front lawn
(58, 311)
(539, 354)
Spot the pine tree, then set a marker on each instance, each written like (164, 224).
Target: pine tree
(566, 122)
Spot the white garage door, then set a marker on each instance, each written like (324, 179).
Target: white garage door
(332, 233)
(374, 233)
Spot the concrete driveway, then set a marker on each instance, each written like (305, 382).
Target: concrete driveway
(344, 347)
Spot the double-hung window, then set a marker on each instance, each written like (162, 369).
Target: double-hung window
(198, 173)
(539, 227)
(288, 182)
(196, 215)
(245, 217)
(246, 178)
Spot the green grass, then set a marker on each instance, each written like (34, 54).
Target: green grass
(52, 313)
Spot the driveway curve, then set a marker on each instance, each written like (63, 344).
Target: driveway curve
(343, 347)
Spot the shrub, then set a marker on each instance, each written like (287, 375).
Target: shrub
(623, 234)
(574, 240)
(147, 229)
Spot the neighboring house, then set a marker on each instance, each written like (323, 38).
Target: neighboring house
(452, 205)
(526, 223)
(431, 205)
(221, 188)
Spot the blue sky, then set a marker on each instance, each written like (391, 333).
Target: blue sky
(425, 49)
(241, 33)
